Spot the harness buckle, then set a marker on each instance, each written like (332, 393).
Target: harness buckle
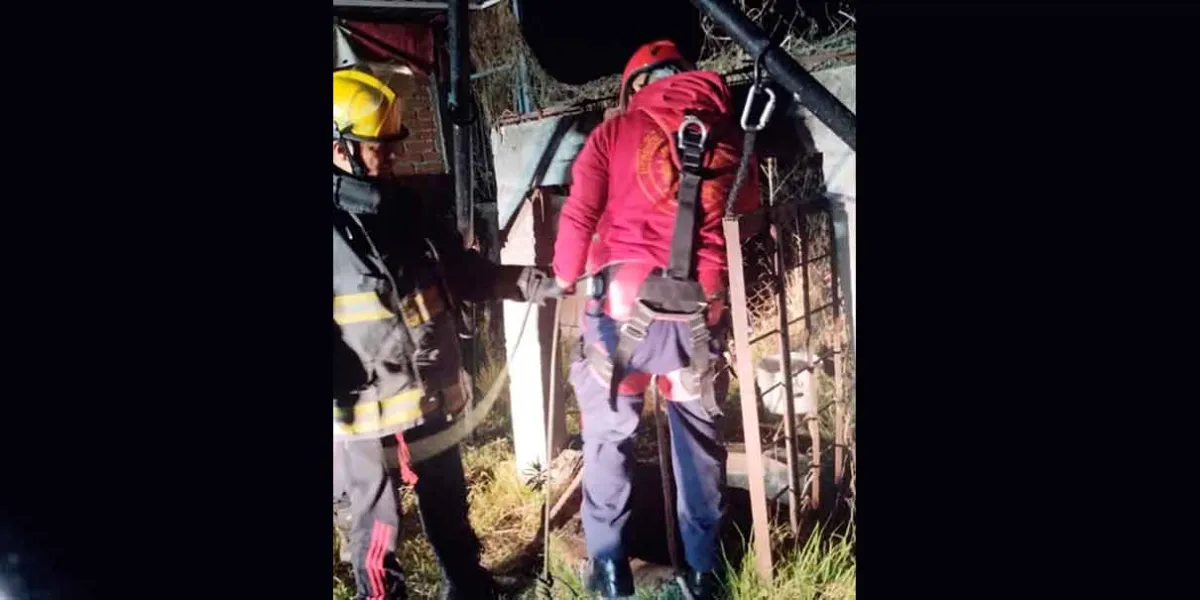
(685, 141)
(636, 333)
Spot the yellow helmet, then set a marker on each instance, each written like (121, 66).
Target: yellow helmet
(365, 109)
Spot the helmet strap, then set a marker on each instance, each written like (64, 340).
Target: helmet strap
(356, 164)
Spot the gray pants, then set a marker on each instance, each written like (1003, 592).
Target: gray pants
(368, 474)
(697, 452)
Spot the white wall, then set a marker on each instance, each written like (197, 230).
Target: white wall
(840, 178)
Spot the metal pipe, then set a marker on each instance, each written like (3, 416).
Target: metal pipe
(459, 105)
(492, 71)
(553, 400)
(789, 416)
(462, 183)
(415, 4)
(812, 418)
(786, 71)
(839, 433)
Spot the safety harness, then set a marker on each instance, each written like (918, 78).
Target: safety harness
(674, 294)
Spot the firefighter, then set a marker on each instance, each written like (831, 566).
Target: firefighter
(398, 274)
(656, 302)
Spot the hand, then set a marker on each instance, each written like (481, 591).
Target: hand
(537, 286)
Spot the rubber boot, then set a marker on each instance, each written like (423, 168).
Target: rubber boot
(611, 578)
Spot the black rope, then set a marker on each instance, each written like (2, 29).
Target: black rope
(662, 434)
(748, 139)
(743, 166)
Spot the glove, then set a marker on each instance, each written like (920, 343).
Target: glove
(537, 286)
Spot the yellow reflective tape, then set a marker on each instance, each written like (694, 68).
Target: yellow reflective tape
(429, 302)
(372, 314)
(412, 395)
(401, 408)
(359, 307)
(355, 298)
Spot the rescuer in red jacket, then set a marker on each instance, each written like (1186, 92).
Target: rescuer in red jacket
(657, 298)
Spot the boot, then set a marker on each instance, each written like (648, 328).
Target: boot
(704, 585)
(611, 578)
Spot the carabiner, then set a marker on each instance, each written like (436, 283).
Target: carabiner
(755, 89)
(767, 110)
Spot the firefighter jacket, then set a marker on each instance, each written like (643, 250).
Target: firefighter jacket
(397, 277)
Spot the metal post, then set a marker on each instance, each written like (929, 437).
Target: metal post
(459, 104)
(745, 369)
(814, 424)
(839, 390)
(785, 353)
(785, 70)
(839, 442)
(522, 95)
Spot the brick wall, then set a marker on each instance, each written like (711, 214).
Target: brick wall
(424, 152)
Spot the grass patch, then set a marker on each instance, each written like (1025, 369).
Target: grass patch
(823, 568)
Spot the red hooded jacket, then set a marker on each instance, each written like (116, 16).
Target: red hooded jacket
(622, 202)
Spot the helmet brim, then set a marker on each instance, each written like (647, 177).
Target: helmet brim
(395, 137)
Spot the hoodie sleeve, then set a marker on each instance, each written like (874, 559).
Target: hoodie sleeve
(585, 204)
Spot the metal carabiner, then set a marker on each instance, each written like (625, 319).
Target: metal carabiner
(756, 89)
(767, 110)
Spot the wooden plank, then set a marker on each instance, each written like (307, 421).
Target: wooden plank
(741, 340)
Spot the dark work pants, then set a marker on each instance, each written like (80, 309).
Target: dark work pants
(368, 472)
(696, 450)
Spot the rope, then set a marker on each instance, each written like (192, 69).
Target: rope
(431, 446)
(546, 581)
(743, 167)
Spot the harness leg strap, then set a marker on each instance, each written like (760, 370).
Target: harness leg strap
(701, 368)
(632, 333)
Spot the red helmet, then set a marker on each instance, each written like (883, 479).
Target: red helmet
(647, 58)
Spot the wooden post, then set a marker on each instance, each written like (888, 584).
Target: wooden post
(745, 369)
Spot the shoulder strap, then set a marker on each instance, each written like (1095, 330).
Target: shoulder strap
(690, 143)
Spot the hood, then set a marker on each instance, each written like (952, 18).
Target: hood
(701, 93)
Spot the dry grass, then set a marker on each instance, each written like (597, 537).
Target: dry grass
(498, 49)
(504, 511)
(797, 34)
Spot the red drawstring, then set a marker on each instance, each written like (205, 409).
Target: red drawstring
(406, 472)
